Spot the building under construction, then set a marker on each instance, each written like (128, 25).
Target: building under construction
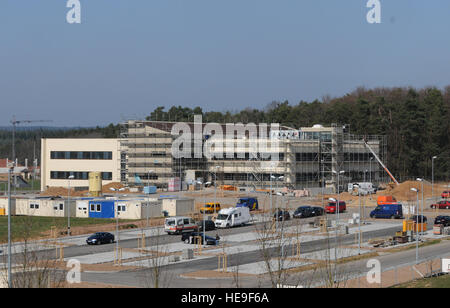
(309, 157)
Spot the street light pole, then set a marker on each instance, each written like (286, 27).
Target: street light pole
(68, 206)
(432, 177)
(421, 180)
(337, 220)
(116, 190)
(9, 228)
(417, 225)
(215, 188)
(359, 220)
(148, 198)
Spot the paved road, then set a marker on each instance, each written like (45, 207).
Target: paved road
(140, 277)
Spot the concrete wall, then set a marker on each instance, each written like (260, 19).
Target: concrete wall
(78, 165)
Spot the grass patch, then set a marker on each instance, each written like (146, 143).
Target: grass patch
(413, 246)
(433, 282)
(33, 227)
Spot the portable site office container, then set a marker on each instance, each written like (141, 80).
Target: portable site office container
(178, 207)
(48, 207)
(125, 209)
(4, 206)
(101, 209)
(82, 210)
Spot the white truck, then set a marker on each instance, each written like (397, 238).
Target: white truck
(232, 217)
(365, 188)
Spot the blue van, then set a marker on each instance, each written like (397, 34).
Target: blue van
(251, 203)
(392, 210)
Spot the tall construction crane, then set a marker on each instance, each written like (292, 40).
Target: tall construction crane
(381, 163)
(15, 122)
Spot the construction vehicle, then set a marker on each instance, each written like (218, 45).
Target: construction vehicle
(381, 163)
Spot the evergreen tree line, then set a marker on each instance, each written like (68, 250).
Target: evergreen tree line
(415, 121)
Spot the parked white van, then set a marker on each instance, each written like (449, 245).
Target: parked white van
(232, 217)
(180, 224)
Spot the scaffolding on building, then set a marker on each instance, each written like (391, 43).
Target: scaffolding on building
(307, 161)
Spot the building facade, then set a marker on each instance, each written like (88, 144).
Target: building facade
(61, 158)
(309, 157)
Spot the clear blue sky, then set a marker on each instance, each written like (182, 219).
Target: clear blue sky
(129, 56)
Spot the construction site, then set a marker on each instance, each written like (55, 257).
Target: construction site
(320, 168)
(309, 157)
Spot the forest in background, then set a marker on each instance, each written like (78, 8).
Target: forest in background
(415, 121)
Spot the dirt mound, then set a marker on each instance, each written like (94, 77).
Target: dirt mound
(403, 192)
(63, 192)
(116, 185)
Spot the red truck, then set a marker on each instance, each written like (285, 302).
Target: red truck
(441, 205)
(331, 207)
(445, 194)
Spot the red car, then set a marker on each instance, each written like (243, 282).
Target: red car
(445, 194)
(441, 205)
(331, 207)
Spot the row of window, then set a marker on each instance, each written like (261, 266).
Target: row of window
(97, 207)
(80, 155)
(35, 206)
(246, 156)
(78, 175)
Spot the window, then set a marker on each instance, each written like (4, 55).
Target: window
(92, 208)
(186, 221)
(99, 207)
(34, 206)
(61, 206)
(121, 208)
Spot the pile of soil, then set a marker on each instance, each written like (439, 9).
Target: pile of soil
(403, 192)
(63, 192)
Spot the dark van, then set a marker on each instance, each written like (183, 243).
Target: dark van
(393, 210)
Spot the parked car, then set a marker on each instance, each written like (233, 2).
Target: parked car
(250, 202)
(282, 215)
(303, 212)
(192, 238)
(317, 211)
(100, 238)
(442, 220)
(388, 211)
(419, 218)
(209, 225)
(445, 194)
(331, 207)
(210, 208)
(441, 205)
